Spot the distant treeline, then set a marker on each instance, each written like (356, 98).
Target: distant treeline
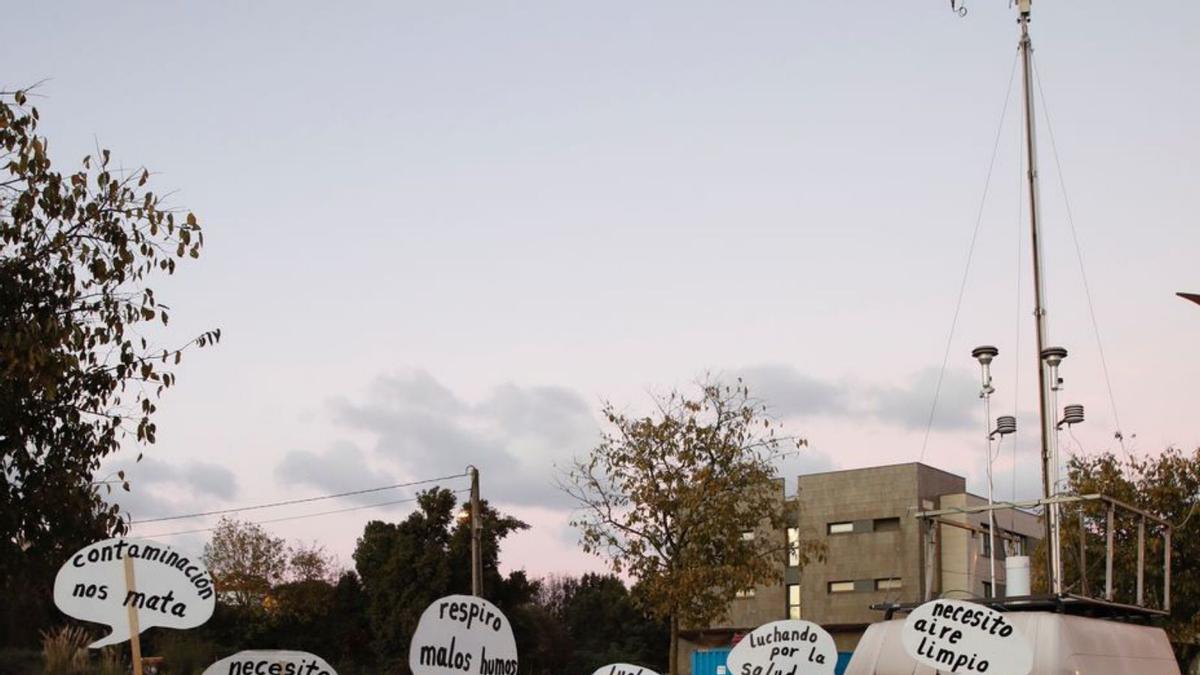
(361, 620)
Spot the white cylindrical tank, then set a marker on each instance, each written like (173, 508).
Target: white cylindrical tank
(1016, 575)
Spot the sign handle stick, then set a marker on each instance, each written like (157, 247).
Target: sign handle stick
(135, 642)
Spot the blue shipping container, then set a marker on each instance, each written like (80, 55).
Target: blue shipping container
(709, 661)
(712, 662)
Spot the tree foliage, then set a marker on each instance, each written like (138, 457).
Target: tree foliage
(1167, 485)
(276, 594)
(405, 566)
(245, 562)
(321, 616)
(311, 562)
(667, 497)
(601, 624)
(79, 374)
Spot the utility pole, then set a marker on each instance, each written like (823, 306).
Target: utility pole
(476, 531)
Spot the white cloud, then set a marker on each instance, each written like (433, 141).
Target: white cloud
(516, 435)
(161, 488)
(790, 393)
(411, 426)
(341, 468)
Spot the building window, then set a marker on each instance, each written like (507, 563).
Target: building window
(986, 545)
(794, 601)
(893, 584)
(1017, 544)
(793, 538)
(887, 524)
(745, 593)
(840, 528)
(841, 587)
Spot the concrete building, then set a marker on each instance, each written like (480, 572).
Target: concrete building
(876, 552)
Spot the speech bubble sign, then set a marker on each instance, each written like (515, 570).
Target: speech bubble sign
(270, 662)
(953, 636)
(170, 589)
(788, 647)
(623, 669)
(463, 634)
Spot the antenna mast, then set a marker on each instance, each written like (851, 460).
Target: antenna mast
(1054, 557)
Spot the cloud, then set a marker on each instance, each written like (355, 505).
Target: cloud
(417, 390)
(212, 479)
(909, 405)
(202, 478)
(161, 488)
(342, 468)
(790, 393)
(804, 461)
(141, 503)
(516, 435)
(411, 426)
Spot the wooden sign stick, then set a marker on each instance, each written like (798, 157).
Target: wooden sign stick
(135, 642)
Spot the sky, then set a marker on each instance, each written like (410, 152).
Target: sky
(441, 234)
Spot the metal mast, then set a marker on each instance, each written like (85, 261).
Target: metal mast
(1053, 557)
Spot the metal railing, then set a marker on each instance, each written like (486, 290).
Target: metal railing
(1100, 521)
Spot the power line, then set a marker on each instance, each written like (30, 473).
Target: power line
(302, 516)
(289, 502)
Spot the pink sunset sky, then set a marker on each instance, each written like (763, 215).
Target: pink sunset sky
(442, 235)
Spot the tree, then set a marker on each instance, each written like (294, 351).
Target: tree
(78, 377)
(245, 562)
(322, 617)
(603, 624)
(1167, 485)
(505, 592)
(311, 562)
(405, 566)
(666, 498)
(542, 641)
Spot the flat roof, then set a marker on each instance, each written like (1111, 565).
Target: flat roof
(882, 466)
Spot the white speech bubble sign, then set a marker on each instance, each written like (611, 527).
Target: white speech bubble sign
(170, 588)
(788, 647)
(623, 669)
(463, 634)
(952, 636)
(271, 662)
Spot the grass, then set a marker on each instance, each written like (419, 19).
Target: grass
(110, 662)
(65, 651)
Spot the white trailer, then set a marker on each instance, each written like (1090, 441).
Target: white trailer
(1062, 644)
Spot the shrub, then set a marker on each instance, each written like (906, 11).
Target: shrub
(185, 654)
